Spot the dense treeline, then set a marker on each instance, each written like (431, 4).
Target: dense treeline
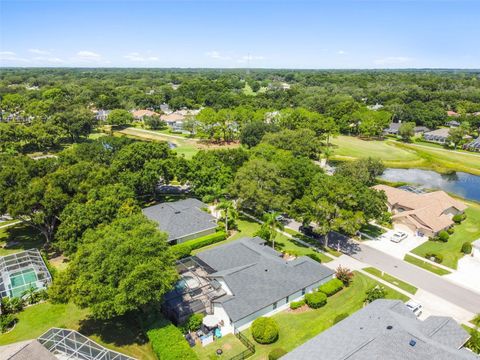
(54, 105)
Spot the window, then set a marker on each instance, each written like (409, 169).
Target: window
(287, 298)
(303, 291)
(274, 305)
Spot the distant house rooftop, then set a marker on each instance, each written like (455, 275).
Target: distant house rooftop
(453, 123)
(387, 329)
(181, 218)
(139, 114)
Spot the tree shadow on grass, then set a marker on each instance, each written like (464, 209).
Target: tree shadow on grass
(21, 237)
(120, 331)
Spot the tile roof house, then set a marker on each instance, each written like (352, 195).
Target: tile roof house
(438, 136)
(140, 114)
(182, 220)
(254, 280)
(176, 119)
(426, 213)
(387, 329)
(452, 113)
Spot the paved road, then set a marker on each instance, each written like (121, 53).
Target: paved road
(467, 299)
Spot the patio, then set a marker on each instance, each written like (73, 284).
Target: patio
(193, 293)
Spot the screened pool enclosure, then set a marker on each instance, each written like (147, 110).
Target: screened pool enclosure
(22, 271)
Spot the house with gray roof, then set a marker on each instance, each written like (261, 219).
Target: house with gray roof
(182, 220)
(439, 136)
(394, 127)
(387, 329)
(473, 145)
(247, 279)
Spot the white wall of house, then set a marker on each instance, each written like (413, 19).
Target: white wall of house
(281, 305)
(226, 325)
(195, 235)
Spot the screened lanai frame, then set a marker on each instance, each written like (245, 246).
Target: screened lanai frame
(26, 267)
(69, 344)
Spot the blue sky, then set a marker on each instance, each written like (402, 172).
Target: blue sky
(269, 34)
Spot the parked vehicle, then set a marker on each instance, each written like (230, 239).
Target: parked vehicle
(398, 236)
(414, 307)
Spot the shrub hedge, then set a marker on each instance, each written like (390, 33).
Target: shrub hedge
(438, 258)
(265, 330)
(193, 323)
(184, 249)
(168, 342)
(331, 287)
(457, 218)
(276, 354)
(466, 248)
(316, 299)
(315, 257)
(297, 304)
(443, 236)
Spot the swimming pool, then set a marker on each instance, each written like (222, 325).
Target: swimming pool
(21, 281)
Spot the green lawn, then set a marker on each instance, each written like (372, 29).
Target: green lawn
(229, 344)
(248, 228)
(27, 238)
(401, 155)
(467, 231)
(392, 280)
(119, 335)
(425, 265)
(297, 328)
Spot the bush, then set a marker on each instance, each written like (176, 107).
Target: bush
(168, 342)
(466, 248)
(315, 257)
(344, 274)
(438, 258)
(297, 304)
(193, 323)
(265, 330)
(316, 299)
(276, 354)
(331, 287)
(375, 293)
(450, 231)
(6, 322)
(12, 305)
(443, 236)
(340, 317)
(457, 218)
(184, 249)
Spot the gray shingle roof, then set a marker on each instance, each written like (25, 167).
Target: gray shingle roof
(365, 336)
(181, 218)
(258, 276)
(27, 350)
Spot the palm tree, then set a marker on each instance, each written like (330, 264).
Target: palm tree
(229, 209)
(272, 220)
(30, 295)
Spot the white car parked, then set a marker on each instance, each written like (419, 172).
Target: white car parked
(398, 236)
(414, 307)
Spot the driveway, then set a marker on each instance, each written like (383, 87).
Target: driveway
(422, 279)
(468, 273)
(397, 250)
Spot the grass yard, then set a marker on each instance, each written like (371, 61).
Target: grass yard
(297, 328)
(392, 280)
(401, 155)
(119, 335)
(229, 344)
(26, 237)
(467, 231)
(425, 265)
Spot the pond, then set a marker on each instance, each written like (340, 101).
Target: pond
(461, 184)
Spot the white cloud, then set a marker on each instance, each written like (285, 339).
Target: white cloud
(39, 52)
(11, 56)
(393, 60)
(48, 59)
(137, 57)
(249, 57)
(88, 54)
(216, 55)
(341, 52)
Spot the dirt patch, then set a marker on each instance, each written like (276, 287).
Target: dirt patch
(59, 262)
(226, 347)
(300, 310)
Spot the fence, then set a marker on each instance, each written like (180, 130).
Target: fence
(250, 347)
